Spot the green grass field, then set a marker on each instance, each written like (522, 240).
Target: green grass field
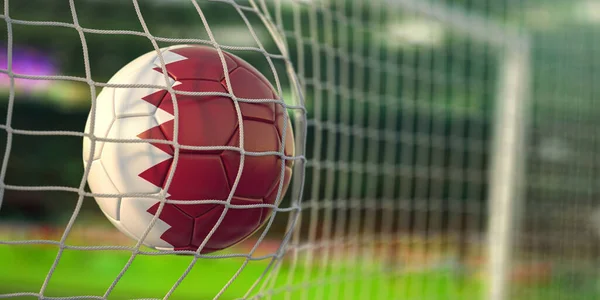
(23, 269)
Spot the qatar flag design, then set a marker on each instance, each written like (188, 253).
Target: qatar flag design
(140, 167)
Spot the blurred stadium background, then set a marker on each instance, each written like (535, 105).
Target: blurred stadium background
(403, 193)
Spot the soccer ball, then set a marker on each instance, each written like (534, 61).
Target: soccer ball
(138, 170)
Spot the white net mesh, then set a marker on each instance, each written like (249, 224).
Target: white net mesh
(415, 122)
(255, 46)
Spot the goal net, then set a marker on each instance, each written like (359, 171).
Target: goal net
(443, 149)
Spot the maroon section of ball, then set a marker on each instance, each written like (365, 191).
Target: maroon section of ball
(181, 224)
(156, 97)
(211, 120)
(155, 133)
(203, 120)
(250, 86)
(158, 173)
(201, 63)
(198, 177)
(237, 224)
(259, 172)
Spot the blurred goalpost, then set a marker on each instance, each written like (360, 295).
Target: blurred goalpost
(507, 166)
(364, 145)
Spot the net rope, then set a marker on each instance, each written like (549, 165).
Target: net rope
(358, 162)
(392, 104)
(135, 250)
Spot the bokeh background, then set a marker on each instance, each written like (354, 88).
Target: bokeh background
(401, 100)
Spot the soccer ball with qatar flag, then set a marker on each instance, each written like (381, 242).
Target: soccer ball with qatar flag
(130, 143)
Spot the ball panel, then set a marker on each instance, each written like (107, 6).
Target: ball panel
(245, 84)
(191, 86)
(104, 118)
(135, 218)
(161, 117)
(180, 232)
(202, 62)
(124, 161)
(262, 112)
(248, 85)
(100, 183)
(157, 174)
(203, 120)
(198, 176)
(156, 133)
(237, 224)
(259, 172)
(242, 64)
(156, 97)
